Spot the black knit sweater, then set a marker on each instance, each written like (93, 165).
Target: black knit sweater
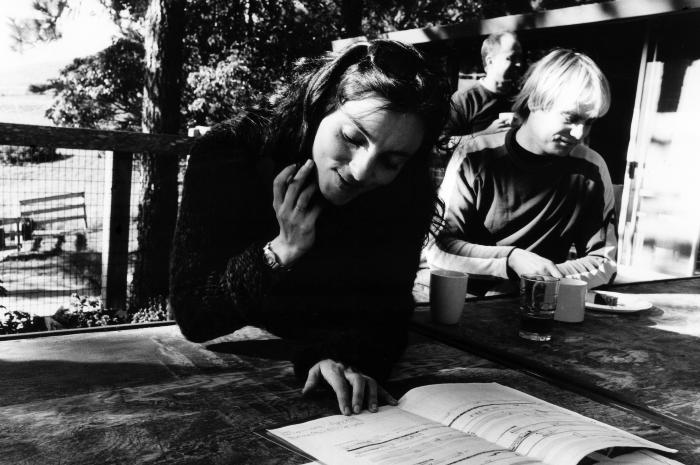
(348, 299)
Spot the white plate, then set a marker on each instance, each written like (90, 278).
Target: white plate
(625, 303)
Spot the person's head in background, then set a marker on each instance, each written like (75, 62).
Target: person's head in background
(563, 94)
(365, 115)
(501, 56)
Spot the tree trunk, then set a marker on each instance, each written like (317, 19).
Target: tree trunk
(165, 20)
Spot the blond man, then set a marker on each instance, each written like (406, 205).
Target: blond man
(516, 202)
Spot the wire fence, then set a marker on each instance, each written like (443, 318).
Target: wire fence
(54, 204)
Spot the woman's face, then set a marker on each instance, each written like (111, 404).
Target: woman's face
(362, 146)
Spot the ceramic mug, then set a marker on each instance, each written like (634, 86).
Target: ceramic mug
(447, 292)
(571, 302)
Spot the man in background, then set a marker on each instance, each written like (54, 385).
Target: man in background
(516, 201)
(476, 107)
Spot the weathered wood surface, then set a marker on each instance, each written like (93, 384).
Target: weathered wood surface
(149, 396)
(92, 139)
(647, 361)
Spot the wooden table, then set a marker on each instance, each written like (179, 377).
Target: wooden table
(646, 362)
(147, 395)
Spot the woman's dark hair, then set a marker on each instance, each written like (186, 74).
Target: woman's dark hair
(396, 72)
(392, 70)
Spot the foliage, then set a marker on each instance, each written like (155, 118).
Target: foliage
(395, 15)
(126, 13)
(14, 321)
(237, 52)
(156, 310)
(240, 52)
(19, 155)
(87, 312)
(218, 91)
(99, 91)
(81, 312)
(27, 32)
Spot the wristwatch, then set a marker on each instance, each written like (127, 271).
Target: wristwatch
(271, 258)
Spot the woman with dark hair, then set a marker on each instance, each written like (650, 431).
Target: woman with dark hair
(309, 221)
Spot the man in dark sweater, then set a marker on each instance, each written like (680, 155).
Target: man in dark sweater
(475, 108)
(516, 202)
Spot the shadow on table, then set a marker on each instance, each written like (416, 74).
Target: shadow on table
(36, 380)
(273, 349)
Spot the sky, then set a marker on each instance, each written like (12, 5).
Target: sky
(86, 29)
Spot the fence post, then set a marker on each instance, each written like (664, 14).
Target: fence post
(115, 230)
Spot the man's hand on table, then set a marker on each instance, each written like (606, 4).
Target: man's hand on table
(524, 262)
(353, 389)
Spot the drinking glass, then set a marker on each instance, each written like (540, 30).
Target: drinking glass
(538, 302)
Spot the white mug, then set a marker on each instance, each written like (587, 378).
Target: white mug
(507, 117)
(448, 290)
(571, 303)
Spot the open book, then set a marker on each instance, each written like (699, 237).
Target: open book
(465, 423)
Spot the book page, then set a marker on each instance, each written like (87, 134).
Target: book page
(392, 437)
(518, 422)
(639, 457)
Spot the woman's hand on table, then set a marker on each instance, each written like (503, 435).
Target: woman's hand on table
(525, 262)
(292, 191)
(353, 389)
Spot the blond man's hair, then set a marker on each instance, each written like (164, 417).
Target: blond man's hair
(567, 77)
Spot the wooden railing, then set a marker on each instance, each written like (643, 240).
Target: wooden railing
(123, 145)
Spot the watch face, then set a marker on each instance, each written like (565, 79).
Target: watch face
(270, 257)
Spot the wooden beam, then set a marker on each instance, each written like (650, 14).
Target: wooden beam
(584, 14)
(92, 139)
(343, 43)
